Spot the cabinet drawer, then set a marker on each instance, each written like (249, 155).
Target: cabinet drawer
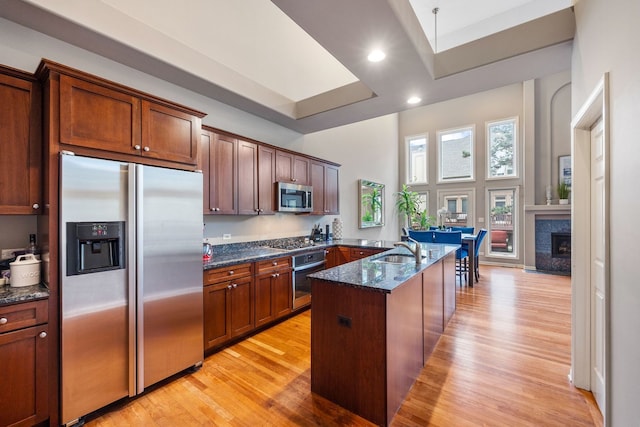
(358, 253)
(273, 264)
(226, 273)
(22, 315)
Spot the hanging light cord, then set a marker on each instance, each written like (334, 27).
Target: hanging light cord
(435, 19)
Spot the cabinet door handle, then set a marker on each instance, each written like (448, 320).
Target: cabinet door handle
(274, 275)
(3, 320)
(36, 206)
(146, 148)
(137, 147)
(235, 285)
(42, 334)
(277, 274)
(293, 179)
(275, 263)
(229, 287)
(230, 272)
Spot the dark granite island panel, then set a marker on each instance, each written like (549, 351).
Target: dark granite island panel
(370, 337)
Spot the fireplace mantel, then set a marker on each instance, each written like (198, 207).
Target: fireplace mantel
(548, 209)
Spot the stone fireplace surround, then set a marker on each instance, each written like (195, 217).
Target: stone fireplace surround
(540, 222)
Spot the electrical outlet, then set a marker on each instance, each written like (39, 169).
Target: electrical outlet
(226, 236)
(8, 253)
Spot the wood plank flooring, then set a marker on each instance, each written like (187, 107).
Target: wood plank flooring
(502, 361)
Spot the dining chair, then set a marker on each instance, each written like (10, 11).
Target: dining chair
(422, 236)
(478, 243)
(462, 254)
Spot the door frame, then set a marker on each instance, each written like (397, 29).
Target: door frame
(595, 107)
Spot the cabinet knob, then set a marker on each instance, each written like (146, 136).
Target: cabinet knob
(229, 287)
(146, 148)
(3, 320)
(230, 272)
(293, 179)
(137, 147)
(274, 275)
(274, 263)
(42, 334)
(235, 285)
(212, 209)
(36, 206)
(277, 274)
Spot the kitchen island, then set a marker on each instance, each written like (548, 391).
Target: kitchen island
(375, 324)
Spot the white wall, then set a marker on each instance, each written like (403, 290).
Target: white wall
(606, 41)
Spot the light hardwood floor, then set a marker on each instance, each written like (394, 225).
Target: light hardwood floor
(502, 361)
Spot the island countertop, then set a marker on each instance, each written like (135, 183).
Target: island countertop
(371, 274)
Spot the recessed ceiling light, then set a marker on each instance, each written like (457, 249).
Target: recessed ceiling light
(414, 100)
(376, 55)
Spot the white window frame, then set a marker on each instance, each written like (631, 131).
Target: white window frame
(515, 221)
(407, 161)
(440, 133)
(516, 152)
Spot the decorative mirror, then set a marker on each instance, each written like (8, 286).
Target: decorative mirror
(371, 210)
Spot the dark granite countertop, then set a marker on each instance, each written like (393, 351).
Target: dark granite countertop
(260, 253)
(381, 276)
(9, 295)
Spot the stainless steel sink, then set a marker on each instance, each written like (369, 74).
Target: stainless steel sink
(396, 259)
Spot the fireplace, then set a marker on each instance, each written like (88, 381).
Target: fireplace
(561, 245)
(553, 244)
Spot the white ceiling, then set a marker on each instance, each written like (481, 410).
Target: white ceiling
(302, 63)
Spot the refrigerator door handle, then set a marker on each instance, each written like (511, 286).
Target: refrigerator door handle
(135, 303)
(139, 220)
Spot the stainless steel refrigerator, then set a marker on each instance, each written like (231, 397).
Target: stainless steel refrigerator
(131, 279)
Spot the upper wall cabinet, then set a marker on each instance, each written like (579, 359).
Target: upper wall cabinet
(324, 180)
(20, 143)
(219, 166)
(100, 115)
(292, 168)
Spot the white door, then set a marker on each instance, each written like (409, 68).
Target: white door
(598, 266)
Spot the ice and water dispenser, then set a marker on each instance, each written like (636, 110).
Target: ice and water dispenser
(94, 247)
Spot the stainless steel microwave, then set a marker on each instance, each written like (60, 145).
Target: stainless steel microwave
(294, 197)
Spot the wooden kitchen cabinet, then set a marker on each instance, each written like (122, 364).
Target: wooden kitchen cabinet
(331, 257)
(20, 143)
(247, 159)
(266, 179)
(228, 304)
(24, 359)
(273, 290)
(292, 168)
(223, 179)
(359, 253)
(97, 114)
(324, 180)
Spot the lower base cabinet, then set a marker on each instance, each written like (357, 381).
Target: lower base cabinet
(228, 304)
(24, 362)
(236, 302)
(273, 290)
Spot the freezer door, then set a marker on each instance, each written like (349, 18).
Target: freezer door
(169, 224)
(95, 337)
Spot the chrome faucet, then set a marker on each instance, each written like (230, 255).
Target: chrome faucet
(417, 252)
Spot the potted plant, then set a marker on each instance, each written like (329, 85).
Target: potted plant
(425, 220)
(407, 203)
(563, 193)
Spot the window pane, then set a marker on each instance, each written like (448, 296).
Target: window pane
(456, 154)
(501, 137)
(417, 161)
(501, 221)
